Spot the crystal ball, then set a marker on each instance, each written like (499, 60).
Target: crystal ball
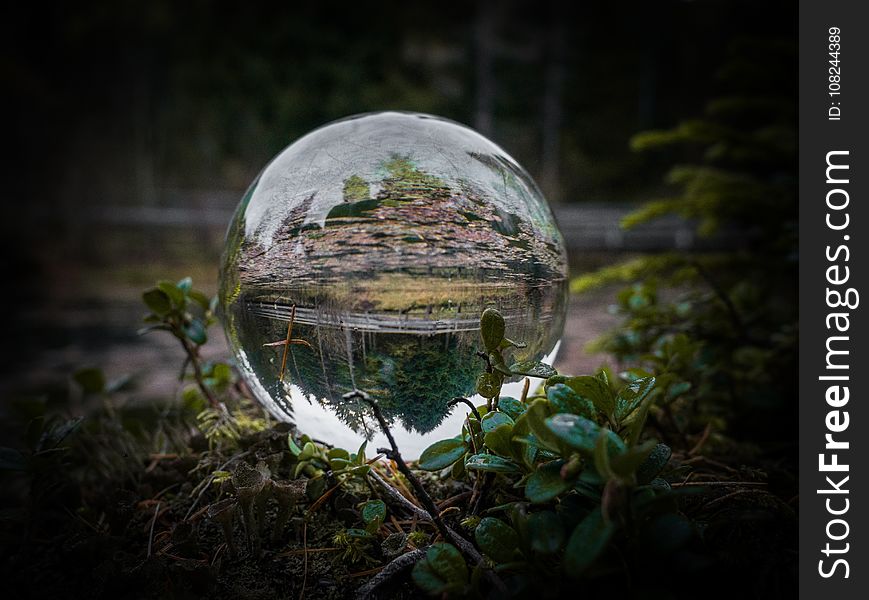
(373, 244)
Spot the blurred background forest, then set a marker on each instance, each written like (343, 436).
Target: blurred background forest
(134, 128)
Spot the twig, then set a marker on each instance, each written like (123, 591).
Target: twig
(422, 495)
(394, 455)
(287, 347)
(193, 356)
(453, 500)
(470, 404)
(525, 387)
(396, 566)
(720, 483)
(151, 533)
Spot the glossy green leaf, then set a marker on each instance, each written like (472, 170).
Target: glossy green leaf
(533, 368)
(654, 463)
(564, 399)
(581, 433)
(491, 329)
(538, 411)
(632, 395)
(595, 390)
(511, 406)
(546, 483)
(494, 419)
(491, 463)
(586, 543)
(496, 539)
(498, 440)
(488, 385)
(441, 454)
(373, 515)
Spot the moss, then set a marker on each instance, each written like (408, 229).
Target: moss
(355, 189)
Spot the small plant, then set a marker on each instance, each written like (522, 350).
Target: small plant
(577, 452)
(187, 313)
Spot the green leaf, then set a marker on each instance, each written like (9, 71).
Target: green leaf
(441, 454)
(200, 299)
(654, 463)
(294, 448)
(458, 470)
(340, 464)
(538, 412)
(92, 381)
(632, 395)
(157, 301)
(627, 463)
(491, 463)
(491, 329)
(582, 434)
(508, 343)
(595, 390)
(533, 368)
(488, 385)
(359, 457)
(546, 483)
(565, 400)
(338, 453)
(546, 531)
(495, 419)
(586, 543)
(498, 439)
(12, 460)
(173, 292)
(511, 406)
(373, 515)
(195, 330)
(496, 539)
(442, 570)
(309, 450)
(499, 365)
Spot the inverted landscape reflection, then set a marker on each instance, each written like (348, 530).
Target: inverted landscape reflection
(382, 238)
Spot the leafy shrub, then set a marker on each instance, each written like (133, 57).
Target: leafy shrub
(719, 327)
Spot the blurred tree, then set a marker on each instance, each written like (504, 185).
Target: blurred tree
(721, 328)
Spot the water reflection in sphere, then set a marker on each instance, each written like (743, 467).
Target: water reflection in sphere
(382, 237)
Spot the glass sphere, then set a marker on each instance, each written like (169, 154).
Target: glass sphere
(375, 243)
